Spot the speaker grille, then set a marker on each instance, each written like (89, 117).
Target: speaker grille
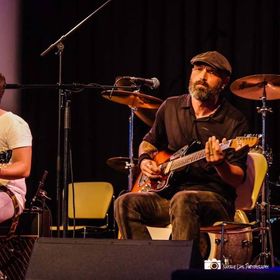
(14, 256)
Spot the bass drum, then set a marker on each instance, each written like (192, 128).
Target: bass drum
(238, 247)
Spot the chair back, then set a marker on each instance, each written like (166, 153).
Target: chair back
(248, 191)
(92, 199)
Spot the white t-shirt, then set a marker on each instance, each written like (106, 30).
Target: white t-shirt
(14, 133)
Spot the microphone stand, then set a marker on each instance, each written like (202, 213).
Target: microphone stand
(66, 106)
(60, 48)
(75, 87)
(63, 37)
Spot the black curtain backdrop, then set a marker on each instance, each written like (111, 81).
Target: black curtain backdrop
(145, 38)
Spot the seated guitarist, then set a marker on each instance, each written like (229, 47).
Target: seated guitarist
(203, 192)
(15, 161)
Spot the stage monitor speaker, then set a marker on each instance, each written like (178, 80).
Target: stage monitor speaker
(65, 258)
(230, 274)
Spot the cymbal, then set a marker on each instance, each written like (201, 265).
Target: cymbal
(133, 99)
(121, 164)
(146, 115)
(252, 87)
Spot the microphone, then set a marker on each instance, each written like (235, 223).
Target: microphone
(152, 83)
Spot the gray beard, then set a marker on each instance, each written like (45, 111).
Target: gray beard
(203, 94)
(200, 94)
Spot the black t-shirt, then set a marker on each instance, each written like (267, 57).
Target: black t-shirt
(176, 126)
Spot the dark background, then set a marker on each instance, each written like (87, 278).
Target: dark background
(145, 38)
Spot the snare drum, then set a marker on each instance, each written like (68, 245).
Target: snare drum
(238, 246)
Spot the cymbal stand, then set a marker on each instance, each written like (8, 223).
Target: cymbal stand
(130, 147)
(122, 82)
(264, 206)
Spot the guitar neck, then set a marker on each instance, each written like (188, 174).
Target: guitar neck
(191, 158)
(186, 160)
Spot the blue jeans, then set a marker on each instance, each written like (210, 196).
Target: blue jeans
(186, 211)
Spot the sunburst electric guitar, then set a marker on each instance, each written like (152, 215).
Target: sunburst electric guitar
(170, 164)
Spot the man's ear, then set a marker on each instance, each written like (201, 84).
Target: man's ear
(225, 82)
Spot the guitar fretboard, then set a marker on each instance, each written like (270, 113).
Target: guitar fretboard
(186, 160)
(196, 156)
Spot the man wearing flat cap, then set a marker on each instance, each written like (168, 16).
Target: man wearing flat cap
(200, 189)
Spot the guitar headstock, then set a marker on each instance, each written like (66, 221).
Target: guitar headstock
(250, 140)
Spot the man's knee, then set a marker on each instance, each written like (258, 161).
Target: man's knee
(127, 200)
(184, 197)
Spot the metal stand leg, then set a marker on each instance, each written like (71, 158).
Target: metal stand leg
(265, 227)
(130, 145)
(222, 255)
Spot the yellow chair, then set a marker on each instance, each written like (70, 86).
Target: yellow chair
(248, 192)
(89, 205)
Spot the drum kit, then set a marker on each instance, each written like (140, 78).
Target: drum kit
(261, 87)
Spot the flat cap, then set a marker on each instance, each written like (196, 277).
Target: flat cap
(214, 59)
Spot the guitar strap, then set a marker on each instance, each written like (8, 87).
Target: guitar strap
(194, 132)
(15, 218)
(198, 121)
(197, 134)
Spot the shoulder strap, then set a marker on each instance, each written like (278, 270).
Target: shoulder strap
(15, 218)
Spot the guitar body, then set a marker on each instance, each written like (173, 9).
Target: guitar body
(163, 159)
(143, 183)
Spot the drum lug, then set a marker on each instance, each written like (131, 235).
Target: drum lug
(246, 243)
(227, 261)
(218, 241)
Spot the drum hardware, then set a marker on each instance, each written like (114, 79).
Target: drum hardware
(261, 87)
(145, 112)
(218, 241)
(227, 261)
(275, 209)
(246, 243)
(230, 242)
(274, 213)
(134, 100)
(276, 184)
(258, 86)
(122, 164)
(237, 247)
(146, 115)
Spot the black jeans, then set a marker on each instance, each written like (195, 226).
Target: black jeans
(186, 211)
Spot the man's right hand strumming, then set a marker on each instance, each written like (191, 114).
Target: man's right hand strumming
(150, 168)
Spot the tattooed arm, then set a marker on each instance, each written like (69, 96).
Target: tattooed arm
(147, 148)
(146, 163)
